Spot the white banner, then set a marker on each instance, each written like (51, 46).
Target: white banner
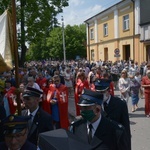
(6, 42)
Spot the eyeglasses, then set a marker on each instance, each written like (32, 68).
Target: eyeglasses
(17, 136)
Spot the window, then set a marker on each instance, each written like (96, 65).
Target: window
(146, 35)
(92, 34)
(105, 29)
(92, 54)
(126, 22)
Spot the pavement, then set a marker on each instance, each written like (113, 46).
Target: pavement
(139, 124)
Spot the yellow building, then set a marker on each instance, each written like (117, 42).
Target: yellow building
(114, 34)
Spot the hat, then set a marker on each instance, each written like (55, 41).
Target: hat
(102, 84)
(32, 92)
(13, 124)
(89, 98)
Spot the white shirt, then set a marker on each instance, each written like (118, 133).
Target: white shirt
(33, 113)
(94, 124)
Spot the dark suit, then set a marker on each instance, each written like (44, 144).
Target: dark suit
(2, 116)
(26, 146)
(117, 110)
(42, 122)
(108, 135)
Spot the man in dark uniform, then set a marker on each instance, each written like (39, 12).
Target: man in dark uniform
(114, 108)
(100, 132)
(2, 116)
(41, 121)
(15, 133)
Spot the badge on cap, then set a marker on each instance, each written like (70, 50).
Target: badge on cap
(11, 118)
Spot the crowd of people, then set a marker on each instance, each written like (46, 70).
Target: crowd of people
(45, 88)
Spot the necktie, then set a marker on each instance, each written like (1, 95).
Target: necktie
(30, 121)
(90, 133)
(105, 106)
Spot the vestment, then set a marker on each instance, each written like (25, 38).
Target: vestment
(27, 146)
(60, 94)
(80, 85)
(45, 103)
(41, 81)
(9, 94)
(108, 135)
(146, 81)
(117, 110)
(42, 122)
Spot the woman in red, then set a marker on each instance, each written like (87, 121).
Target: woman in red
(80, 85)
(146, 85)
(111, 87)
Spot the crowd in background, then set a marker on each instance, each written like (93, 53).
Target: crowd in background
(45, 88)
(126, 77)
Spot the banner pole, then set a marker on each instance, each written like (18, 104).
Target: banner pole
(16, 55)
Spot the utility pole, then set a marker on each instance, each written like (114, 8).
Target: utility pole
(63, 36)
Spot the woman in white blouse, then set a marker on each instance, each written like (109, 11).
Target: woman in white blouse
(124, 85)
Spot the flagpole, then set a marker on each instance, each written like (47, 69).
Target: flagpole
(16, 55)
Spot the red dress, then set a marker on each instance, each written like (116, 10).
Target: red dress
(61, 93)
(146, 81)
(80, 85)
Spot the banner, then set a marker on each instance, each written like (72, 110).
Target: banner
(6, 42)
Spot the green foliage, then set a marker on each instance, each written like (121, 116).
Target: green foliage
(75, 41)
(36, 18)
(52, 47)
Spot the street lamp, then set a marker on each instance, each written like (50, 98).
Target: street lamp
(63, 36)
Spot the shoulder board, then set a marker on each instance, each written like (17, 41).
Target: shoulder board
(78, 122)
(120, 99)
(116, 124)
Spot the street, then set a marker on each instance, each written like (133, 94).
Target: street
(140, 125)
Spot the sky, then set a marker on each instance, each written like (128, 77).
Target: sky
(80, 10)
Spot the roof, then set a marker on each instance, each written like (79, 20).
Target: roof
(109, 8)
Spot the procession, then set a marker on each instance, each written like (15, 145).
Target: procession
(74, 87)
(47, 87)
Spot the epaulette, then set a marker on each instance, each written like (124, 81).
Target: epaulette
(78, 122)
(123, 100)
(118, 125)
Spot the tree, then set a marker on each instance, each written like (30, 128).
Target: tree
(36, 18)
(75, 39)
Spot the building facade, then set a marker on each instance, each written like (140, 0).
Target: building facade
(115, 33)
(145, 28)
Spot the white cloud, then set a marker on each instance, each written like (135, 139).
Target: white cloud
(76, 2)
(89, 12)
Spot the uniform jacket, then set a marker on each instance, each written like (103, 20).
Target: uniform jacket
(108, 136)
(2, 116)
(26, 146)
(117, 110)
(42, 122)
